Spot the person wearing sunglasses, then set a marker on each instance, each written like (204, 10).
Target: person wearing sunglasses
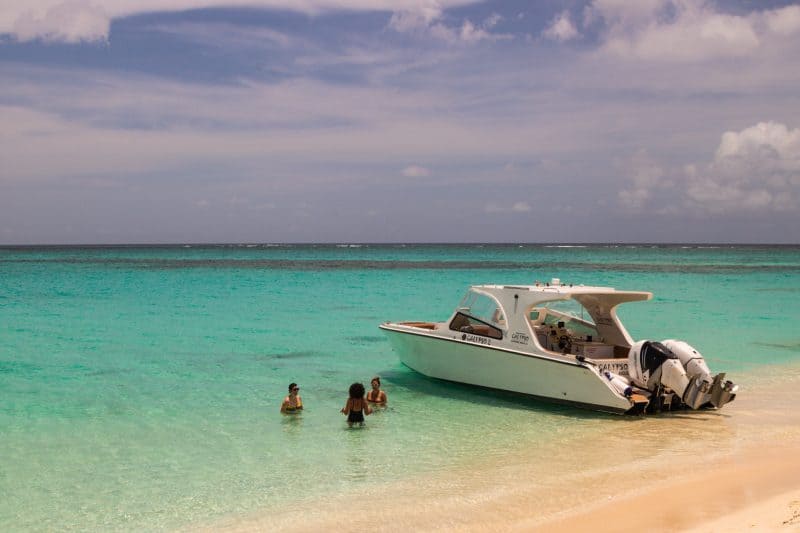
(292, 403)
(376, 395)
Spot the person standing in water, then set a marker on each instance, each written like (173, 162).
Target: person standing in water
(292, 403)
(356, 407)
(376, 395)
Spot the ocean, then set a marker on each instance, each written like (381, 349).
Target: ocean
(140, 385)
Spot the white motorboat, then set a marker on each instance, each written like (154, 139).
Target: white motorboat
(563, 343)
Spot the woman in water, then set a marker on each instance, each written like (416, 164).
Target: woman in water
(292, 403)
(376, 395)
(356, 407)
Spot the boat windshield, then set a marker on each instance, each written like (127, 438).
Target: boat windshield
(569, 312)
(483, 307)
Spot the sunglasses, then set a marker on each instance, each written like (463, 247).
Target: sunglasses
(295, 389)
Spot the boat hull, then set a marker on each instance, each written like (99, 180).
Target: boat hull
(462, 361)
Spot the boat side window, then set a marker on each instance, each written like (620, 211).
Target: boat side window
(467, 324)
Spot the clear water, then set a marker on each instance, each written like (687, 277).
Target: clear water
(140, 386)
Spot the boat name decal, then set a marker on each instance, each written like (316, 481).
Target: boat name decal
(520, 338)
(478, 339)
(620, 368)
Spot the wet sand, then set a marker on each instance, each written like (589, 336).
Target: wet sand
(737, 469)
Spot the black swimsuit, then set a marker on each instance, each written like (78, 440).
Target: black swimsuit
(356, 416)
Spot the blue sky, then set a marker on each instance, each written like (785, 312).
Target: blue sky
(160, 121)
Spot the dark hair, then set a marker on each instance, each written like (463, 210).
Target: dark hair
(376, 378)
(356, 390)
(291, 386)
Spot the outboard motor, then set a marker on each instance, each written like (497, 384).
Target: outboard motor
(714, 389)
(690, 358)
(681, 368)
(652, 365)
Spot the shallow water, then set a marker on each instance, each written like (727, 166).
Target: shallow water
(141, 385)
(693, 458)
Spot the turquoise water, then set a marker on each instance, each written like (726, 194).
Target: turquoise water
(140, 386)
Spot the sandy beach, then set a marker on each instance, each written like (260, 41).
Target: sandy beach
(737, 469)
(754, 491)
(780, 513)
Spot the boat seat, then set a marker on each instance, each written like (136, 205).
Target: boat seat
(480, 330)
(423, 325)
(542, 336)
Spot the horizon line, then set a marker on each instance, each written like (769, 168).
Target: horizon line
(388, 243)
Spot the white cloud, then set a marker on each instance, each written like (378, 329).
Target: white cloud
(90, 20)
(750, 143)
(518, 207)
(492, 20)
(756, 169)
(416, 171)
(693, 32)
(561, 28)
(426, 20)
(472, 34)
(67, 21)
(783, 21)
(414, 20)
(685, 30)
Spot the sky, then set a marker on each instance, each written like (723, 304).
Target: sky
(206, 121)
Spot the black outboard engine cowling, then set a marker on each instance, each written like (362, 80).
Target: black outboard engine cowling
(653, 354)
(646, 362)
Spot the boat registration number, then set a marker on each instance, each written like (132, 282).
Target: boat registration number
(519, 338)
(618, 368)
(478, 339)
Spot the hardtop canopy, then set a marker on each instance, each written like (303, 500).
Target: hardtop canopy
(516, 302)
